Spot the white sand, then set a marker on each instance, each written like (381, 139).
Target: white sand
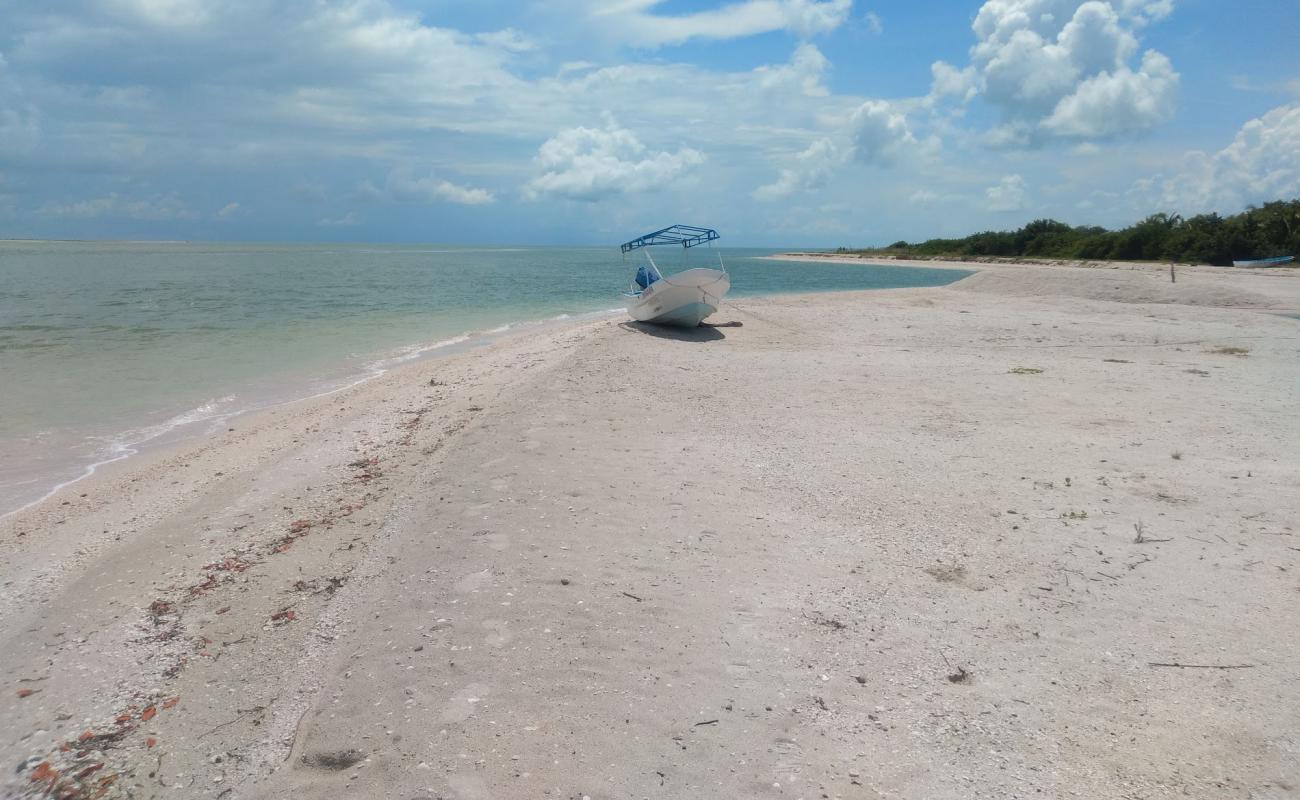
(740, 562)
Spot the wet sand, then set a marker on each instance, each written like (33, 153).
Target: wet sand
(1010, 537)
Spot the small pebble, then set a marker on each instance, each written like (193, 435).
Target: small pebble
(564, 581)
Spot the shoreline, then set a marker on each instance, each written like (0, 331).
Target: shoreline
(185, 429)
(504, 553)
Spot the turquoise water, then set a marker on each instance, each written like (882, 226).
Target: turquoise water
(106, 347)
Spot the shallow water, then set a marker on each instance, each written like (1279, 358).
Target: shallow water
(106, 347)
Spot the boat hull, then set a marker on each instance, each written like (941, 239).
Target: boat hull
(1265, 262)
(683, 300)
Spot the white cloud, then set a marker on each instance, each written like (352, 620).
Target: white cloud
(634, 22)
(347, 220)
(880, 133)
(813, 168)
(1063, 68)
(404, 187)
(591, 163)
(113, 205)
(947, 80)
(873, 22)
(227, 211)
(1007, 195)
(804, 73)
(1122, 101)
(1262, 163)
(508, 39)
(164, 13)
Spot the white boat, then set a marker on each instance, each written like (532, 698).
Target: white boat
(683, 299)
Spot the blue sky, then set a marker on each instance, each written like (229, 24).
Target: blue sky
(780, 122)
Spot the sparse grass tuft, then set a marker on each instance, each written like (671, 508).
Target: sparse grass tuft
(1026, 371)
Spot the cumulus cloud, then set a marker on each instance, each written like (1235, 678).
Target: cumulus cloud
(405, 187)
(813, 168)
(1064, 68)
(1122, 101)
(590, 163)
(113, 205)
(228, 211)
(880, 133)
(635, 22)
(1007, 195)
(803, 73)
(875, 133)
(1262, 163)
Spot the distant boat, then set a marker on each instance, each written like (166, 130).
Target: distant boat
(684, 299)
(1265, 262)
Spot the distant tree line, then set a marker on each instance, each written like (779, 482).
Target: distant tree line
(1272, 229)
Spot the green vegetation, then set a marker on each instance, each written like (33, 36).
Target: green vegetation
(1272, 229)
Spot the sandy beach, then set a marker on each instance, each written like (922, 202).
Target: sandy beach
(1029, 535)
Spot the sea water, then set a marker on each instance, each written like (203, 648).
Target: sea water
(107, 347)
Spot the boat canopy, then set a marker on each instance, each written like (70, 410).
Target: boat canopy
(685, 235)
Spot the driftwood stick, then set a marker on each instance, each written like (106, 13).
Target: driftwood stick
(1200, 666)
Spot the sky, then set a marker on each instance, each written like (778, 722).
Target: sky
(817, 123)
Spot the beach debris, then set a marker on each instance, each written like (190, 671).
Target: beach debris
(25, 693)
(634, 597)
(1200, 666)
(565, 581)
(820, 703)
(956, 675)
(1228, 351)
(334, 760)
(159, 610)
(284, 615)
(707, 722)
(1025, 371)
(1140, 536)
(861, 679)
(948, 574)
(233, 563)
(830, 622)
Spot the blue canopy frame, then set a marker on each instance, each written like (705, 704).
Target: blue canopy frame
(685, 235)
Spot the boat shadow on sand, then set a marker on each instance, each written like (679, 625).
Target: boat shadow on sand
(704, 332)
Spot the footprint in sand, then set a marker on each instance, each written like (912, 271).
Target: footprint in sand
(498, 541)
(498, 635)
(469, 787)
(500, 484)
(743, 671)
(474, 581)
(789, 760)
(464, 703)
